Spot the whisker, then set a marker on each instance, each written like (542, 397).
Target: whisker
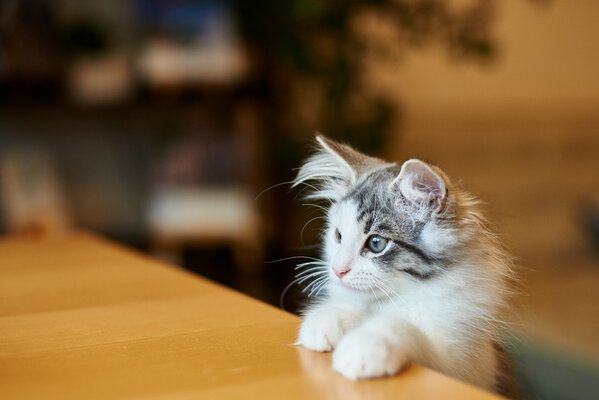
(302, 265)
(316, 289)
(271, 187)
(376, 298)
(306, 186)
(314, 283)
(311, 271)
(284, 292)
(292, 258)
(321, 287)
(307, 277)
(306, 224)
(315, 205)
(382, 289)
(388, 291)
(314, 211)
(306, 268)
(298, 281)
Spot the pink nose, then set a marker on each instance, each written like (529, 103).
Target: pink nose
(341, 272)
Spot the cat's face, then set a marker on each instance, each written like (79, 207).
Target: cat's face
(385, 223)
(374, 236)
(355, 252)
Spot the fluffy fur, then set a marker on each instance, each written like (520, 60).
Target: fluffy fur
(432, 296)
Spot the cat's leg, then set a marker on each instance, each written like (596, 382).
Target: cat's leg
(324, 324)
(383, 345)
(379, 347)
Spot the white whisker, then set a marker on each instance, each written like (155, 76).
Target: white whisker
(314, 283)
(292, 258)
(317, 289)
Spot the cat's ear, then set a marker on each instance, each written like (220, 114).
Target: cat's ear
(335, 167)
(421, 185)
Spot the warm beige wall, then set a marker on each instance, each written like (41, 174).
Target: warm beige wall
(548, 62)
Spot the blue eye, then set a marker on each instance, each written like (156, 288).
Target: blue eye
(376, 243)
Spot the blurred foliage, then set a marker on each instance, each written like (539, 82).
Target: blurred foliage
(321, 46)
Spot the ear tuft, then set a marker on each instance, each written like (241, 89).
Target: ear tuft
(420, 185)
(335, 167)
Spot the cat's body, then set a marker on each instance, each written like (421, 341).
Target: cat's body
(410, 271)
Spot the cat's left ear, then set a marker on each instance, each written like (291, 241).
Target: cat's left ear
(421, 185)
(335, 168)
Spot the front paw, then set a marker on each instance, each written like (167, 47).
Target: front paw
(320, 332)
(361, 355)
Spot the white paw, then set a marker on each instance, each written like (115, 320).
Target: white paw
(320, 331)
(361, 355)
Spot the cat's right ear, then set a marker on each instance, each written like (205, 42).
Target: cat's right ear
(421, 185)
(335, 167)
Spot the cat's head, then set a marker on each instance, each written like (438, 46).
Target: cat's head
(386, 222)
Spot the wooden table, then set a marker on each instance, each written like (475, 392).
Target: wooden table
(81, 318)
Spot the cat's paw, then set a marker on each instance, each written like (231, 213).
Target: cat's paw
(320, 332)
(362, 355)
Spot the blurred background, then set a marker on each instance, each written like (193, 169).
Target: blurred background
(175, 126)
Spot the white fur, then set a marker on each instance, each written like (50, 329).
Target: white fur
(375, 319)
(377, 323)
(332, 172)
(437, 240)
(326, 324)
(365, 354)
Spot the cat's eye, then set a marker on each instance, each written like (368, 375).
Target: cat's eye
(376, 243)
(337, 235)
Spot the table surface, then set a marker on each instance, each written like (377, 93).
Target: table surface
(81, 317)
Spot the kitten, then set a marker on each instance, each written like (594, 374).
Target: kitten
(409, 273)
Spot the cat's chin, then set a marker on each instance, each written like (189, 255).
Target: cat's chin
(355, 289)
(365, 293)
